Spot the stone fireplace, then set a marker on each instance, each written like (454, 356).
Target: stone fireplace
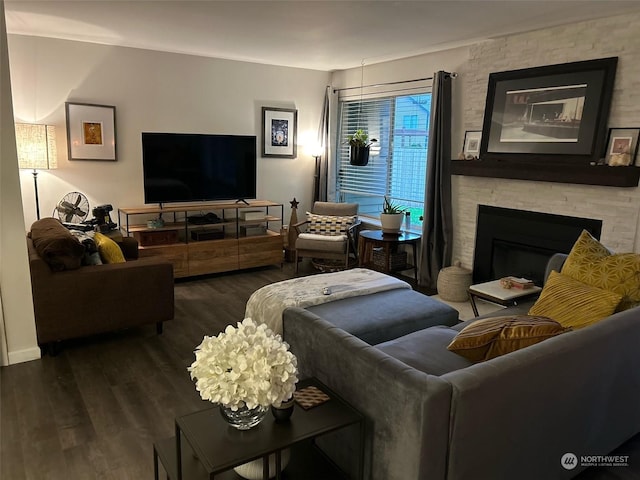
(519, 242)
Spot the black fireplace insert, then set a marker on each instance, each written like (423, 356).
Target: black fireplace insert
(519, 242)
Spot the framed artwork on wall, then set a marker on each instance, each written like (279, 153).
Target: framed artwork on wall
(279, 131)
(471, 145)
(622, 146)
(91, 131)
(554, 113)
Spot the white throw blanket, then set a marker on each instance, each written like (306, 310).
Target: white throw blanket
(267, 303)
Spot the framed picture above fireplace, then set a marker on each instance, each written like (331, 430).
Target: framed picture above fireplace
(551, 114)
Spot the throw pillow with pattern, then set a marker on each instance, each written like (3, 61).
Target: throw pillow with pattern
(592, 263)
(329, 224)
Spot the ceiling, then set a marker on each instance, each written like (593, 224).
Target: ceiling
(320, 35)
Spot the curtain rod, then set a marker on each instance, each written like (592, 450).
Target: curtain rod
(358, 95)
(335, 90)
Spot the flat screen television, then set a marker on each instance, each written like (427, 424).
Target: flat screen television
(185, 167)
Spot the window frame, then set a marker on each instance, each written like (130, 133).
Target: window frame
(364, 109)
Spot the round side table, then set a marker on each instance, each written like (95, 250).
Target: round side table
(379, 251)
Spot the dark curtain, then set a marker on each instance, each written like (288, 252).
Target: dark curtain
(320, 180)
(437, 238)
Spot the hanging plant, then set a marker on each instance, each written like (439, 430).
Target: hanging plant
(360, 143)
(360, 139)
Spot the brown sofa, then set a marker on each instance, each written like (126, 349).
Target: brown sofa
(76, 301)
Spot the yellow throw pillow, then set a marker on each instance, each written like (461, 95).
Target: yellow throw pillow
(592, 263)
(572, 303)
(109, 250)
(491, 337)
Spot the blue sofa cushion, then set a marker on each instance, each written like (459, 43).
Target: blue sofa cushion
(386, 315)
(426, 350)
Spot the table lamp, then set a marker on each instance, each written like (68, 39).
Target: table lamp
(36, 146)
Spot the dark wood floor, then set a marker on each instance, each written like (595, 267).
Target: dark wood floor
(95, 409)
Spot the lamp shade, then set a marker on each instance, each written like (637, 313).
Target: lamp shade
(316, 150)
(36, 146)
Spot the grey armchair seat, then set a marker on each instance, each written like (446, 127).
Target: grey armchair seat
(329, 235)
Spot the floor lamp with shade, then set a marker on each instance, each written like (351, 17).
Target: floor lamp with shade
(36, 150)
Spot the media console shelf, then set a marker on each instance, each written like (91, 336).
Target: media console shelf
(196, 243)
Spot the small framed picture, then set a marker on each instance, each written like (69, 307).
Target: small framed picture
(622, 147)
(471, 145)
(91, 131)
(279, 130)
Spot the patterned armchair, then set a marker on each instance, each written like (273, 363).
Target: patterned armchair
(330, 233)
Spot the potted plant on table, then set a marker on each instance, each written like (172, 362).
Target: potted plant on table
(391, 216)
(360, 143)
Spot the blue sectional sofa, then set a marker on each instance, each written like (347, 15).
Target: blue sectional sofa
(432, 414)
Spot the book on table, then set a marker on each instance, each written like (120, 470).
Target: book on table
(520, 282)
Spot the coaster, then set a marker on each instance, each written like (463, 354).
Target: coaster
(310, 397)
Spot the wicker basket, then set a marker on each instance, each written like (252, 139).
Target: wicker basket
(397, 260)
(453, 283)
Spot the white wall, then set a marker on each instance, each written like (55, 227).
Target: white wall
(155, 91)
(17, 327)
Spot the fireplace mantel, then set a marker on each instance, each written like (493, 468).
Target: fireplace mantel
(580, 174)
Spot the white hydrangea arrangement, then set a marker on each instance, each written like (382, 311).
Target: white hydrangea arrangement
(245, 366)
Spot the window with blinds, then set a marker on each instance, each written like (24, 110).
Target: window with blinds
(398, 160)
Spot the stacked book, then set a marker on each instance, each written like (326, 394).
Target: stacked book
(515, 282)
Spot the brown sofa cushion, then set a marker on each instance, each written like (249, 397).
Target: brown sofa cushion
(56, 245)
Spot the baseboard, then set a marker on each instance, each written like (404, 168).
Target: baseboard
(26, 355)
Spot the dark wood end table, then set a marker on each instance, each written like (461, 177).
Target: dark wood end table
(206, 447)
(370, 239)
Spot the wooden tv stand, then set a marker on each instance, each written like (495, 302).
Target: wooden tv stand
(241, 237)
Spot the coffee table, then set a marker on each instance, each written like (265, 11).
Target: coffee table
(493, 292)
(206, 447)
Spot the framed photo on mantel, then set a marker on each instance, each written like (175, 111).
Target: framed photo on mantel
(555, 114)
(471, 145)
(622, 147)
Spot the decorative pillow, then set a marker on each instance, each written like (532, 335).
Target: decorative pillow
(56, 245)
(592, 263)
(329, 224)
(573, 303)
(491, 337)
(109, 250)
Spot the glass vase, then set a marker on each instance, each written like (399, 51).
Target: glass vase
(243, 418)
